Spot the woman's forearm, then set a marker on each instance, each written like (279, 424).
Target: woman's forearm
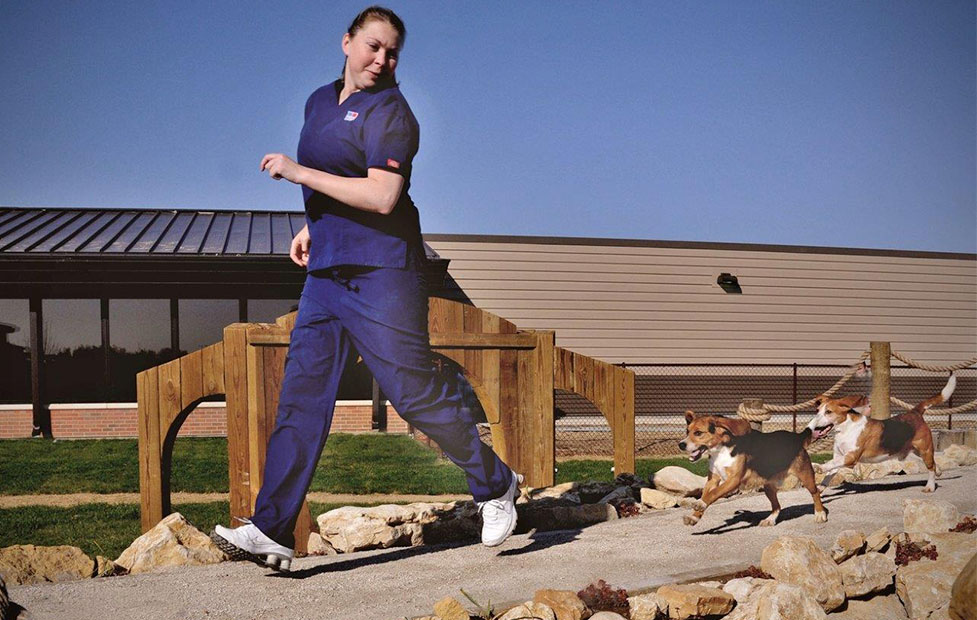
(377, 193)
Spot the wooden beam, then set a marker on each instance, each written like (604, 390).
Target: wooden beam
(150, 483)
(881, 352)
(458, 340)
(236, 394)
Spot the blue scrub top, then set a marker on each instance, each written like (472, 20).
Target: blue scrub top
(372, 128)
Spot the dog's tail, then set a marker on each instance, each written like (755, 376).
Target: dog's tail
(940, 398)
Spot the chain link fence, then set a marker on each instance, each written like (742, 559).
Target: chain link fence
(663, 392)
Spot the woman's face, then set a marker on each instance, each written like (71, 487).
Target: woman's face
(371, 54)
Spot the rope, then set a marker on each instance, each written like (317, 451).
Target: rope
(964, 407)
(905, 359)
(759, 414)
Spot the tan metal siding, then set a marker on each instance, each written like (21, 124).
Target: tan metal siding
(662, 304)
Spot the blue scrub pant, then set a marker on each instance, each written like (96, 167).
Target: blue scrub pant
(383, 314)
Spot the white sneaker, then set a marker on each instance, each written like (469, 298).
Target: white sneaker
(250, 543)
(499, 515)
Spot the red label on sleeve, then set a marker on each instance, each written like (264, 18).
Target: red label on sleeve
(393, 163)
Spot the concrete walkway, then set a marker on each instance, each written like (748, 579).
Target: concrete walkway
(391, 584)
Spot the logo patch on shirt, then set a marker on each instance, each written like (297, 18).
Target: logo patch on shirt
(351, 116)
(393, 163)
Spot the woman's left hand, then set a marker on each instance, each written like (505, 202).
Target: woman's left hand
(281, 167)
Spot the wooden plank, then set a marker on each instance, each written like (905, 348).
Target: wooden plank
(236, 391)
(490, 370)
(170, 396)
(191, 378)
(880, 358)
(453, 322)
(562, 369)
(472, 325)
(524, 421)
(545, 452)
(622, 410)
(150, 488)
(459, 340)
(258, 429)
(583, 376)
(287, 321)
(212, 371)
(270, 338)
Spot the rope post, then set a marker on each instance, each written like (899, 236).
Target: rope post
(881, 351)
(755, 403)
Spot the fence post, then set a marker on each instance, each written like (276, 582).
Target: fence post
(795, 396)
(881, 351)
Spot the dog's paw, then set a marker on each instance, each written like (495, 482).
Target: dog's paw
(690, 519)
(769, 521)
(929, 489)
(699, 506)
(821, 517)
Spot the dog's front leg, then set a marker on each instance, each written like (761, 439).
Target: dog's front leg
(715, 492)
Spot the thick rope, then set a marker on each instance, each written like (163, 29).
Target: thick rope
(960, 409)
(908, 361)
(761, 414)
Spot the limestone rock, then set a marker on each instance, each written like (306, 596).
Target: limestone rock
(848, 543)
(798, 560)
(449, 608)
(529, 609)
(352, 528)
(318, 546)
(659, 500)
(28, 564)
(551, 517)
(689, 502)
(865, 574)
(840, 477)
(779, 601)
(105, 567)
(607, 615)
(963, 594)
(876, 608)
(961, 455)
(925, 585)
(878, 539)
(172, 542)
(685, 601)
(742, 587)
(914, 466)
(566, 605)
(874, 471)
(646, 606)
(944, 462)
(921, 515)
(567, 491)
(679, 481)
(943, 613)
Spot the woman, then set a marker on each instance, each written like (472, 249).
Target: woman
(364, 290)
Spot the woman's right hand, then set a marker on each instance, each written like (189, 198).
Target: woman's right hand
(299, 253)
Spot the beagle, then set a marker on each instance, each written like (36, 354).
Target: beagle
(861, 438)
(740, 456)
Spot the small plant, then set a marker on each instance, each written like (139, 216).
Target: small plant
(485, 612)
(752, 571)
(601, 596)
(909, 551)
(967, 525)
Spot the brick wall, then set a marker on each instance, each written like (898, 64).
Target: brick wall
(114, 420)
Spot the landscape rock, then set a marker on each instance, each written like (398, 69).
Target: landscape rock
(529, 609)
(961, 455)
(779, 601)
(963, 594)
(659, 500)
(607, 615)
(29, 564)
(617, 494)
(551, 517)
(686, 601)
(840, 477)
(317, 545)
(874, 471)
(449, 608)
(352, 528)
(876, 608)
(878, 540)
(591, 491)
(679, 481)
(567, 491)
(646, 606)
(847, 544)
(944, 462)
(566, 605)
(914, 466)
(865, 574)
(925, 585)
(798, 560)
(922, 515)
(742, 587)
(172, 542)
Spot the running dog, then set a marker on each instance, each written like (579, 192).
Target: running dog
(860, 438)
(739, 455)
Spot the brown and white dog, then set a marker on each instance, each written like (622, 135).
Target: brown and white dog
(739, 455)
(861, 438)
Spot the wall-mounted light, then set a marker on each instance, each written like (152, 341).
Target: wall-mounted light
(728, 283)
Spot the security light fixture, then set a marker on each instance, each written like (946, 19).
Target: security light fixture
(728, 283)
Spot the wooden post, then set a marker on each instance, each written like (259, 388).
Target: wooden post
(881, 352)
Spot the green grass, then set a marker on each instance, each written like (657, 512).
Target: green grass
(103, 529)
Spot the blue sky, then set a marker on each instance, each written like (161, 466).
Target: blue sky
(804, 123)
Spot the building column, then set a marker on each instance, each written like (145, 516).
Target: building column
(41, 413)
(106, 350)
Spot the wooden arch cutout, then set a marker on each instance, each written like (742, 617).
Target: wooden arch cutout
(513, 372)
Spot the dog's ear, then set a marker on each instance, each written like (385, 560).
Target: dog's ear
(723, 426)
(862, 406)
(689, 416)
(819, 401)
(712, 427)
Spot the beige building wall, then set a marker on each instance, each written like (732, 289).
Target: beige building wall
(658, 302)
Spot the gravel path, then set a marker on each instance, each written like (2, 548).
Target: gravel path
(641, 552)
(74, 499)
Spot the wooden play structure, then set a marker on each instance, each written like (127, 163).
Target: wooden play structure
(514, 374)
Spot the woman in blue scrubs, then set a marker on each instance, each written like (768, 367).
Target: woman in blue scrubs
(364, 292)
